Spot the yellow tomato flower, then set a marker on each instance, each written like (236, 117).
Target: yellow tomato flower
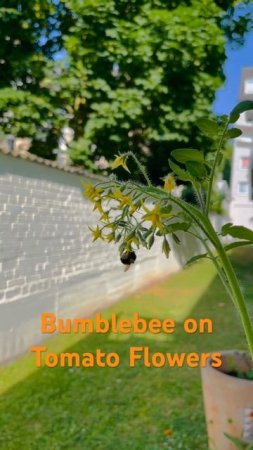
(110, 237)
(98, 206)
(153, 216)
(119, 162)
(105, 216)
(124, 200)
(117, 194)
(169, 183)
(134, 209)
(97, 233)
(92, 192)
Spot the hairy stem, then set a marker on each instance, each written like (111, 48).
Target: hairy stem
(140, 167)
(219, 269)
(199, 197)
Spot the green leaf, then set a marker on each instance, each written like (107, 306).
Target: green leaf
(177, 226)
(166, 247)
(162, 195)
(142, 239)
(176, 239)
(237, 244)
(147, 233)
(233, 133)
(237, 231)
(227, 225)
(196, 169)
(187, 154)
(121, 223)
(182, 174)
(240, 445)
(118, 237)
(166, 209)
(151, 241)
(196, 258)
(239, 109)
(208, 127)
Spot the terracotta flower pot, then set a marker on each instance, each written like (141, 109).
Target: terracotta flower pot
(228, 402)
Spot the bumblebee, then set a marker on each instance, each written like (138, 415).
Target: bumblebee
(128, 258)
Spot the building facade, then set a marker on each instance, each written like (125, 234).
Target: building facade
(241, 205)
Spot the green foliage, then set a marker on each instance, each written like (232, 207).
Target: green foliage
(185, 155)
(216, 205)
(182, 174)
(30, 34)
(33, 116)
(239, 444)
(240, 108)
(233, 133)
(208, 127)
(237, 244)
(137, 74)
(196, 258)
(80, 151)
(237, 232)
(152, 71)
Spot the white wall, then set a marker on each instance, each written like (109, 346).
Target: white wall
(47, 259)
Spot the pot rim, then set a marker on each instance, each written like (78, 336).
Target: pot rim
(223, 374)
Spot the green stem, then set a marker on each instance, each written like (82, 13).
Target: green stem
(232, 286)
(221, 273)
(210, 184)
(199, 196)
(230, 275)
(237, 295)
(219, 269)
(140, 167)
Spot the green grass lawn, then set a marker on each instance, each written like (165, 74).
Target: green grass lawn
(126, 408)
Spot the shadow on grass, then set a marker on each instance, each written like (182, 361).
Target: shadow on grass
(123, 408)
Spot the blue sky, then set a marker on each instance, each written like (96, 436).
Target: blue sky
(237, 58)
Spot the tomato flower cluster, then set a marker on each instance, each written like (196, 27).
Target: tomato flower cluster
(127, 215)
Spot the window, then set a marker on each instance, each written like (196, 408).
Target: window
(245, 139)
(249, 116)
(244, 163)
(243, 188)
(248, 86)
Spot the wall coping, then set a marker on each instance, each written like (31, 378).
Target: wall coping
(25, 155)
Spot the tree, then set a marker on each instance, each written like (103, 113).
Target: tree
(149, 70)
(30, 35)
(136, 73)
